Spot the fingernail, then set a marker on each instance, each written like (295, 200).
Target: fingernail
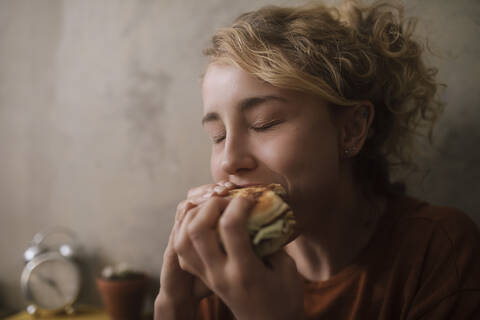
(219, 189)
(229, 184)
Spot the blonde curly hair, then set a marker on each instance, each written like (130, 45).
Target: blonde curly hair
(344, 55)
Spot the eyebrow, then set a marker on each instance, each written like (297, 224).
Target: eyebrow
(244, 105)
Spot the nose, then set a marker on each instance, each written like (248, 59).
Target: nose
(237, 156)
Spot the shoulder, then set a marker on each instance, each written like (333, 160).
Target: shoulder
(415, 213)
(213, 308)
(458, 231)
(442, 237)
(452, 219)
(435, 253)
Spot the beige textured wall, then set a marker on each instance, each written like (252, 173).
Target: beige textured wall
(99, 121)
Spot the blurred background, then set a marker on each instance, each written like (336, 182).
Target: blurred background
(100, 131)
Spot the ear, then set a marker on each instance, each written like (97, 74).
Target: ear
(354, 126)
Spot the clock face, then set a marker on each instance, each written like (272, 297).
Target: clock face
(53, 283)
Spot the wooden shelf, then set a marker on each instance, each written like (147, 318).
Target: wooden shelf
(83, 313)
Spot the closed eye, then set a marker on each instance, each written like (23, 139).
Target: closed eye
(266, 126)
(218, 139)
(258, 128)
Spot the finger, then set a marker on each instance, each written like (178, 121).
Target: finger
(199, 191)
(228, 184)
(203, 233)
(169, 255)
(234, 233)
(202, 198)
(221, 188)
(187, 256)
(186, 205)
(181, 234)
(224, 187)
(197, 201)
(218, 190)
(199, 195)
(170, 264)
(171, 238)
(182, 209)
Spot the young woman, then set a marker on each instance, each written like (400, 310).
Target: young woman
(325, 102)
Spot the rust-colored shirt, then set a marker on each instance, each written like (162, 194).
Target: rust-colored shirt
(423, 262)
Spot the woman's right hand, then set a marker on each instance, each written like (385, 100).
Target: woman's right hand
(179, 289)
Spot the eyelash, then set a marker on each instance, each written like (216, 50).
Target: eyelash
(264, 127)
(218, 140)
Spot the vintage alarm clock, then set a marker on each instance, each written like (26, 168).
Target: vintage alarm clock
(51, 276)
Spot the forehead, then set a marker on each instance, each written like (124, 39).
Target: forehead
(226, 88)
(225, 83)
(219, 73)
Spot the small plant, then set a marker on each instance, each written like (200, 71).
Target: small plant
(121, 271)
(123, 291)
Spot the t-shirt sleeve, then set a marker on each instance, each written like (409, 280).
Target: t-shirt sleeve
(450, 284)
(461, 305)
(212, 308)
(204, 311)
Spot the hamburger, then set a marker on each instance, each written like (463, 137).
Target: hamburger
(271, 224)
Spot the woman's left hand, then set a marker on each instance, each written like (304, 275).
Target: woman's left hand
(245, 284)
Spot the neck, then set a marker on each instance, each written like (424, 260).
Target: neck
(330, 243)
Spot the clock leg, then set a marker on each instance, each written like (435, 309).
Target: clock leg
(32, 309)
(69, 310)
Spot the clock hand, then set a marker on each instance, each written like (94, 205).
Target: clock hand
(51, 283)
(55, 287)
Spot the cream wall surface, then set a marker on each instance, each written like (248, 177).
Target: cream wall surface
(100, 129)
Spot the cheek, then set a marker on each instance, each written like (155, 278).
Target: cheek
(307, 160)
(301, 151)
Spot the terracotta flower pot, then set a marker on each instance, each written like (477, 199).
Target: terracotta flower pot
(123, 298)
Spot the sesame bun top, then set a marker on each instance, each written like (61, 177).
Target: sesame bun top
(269, 206)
